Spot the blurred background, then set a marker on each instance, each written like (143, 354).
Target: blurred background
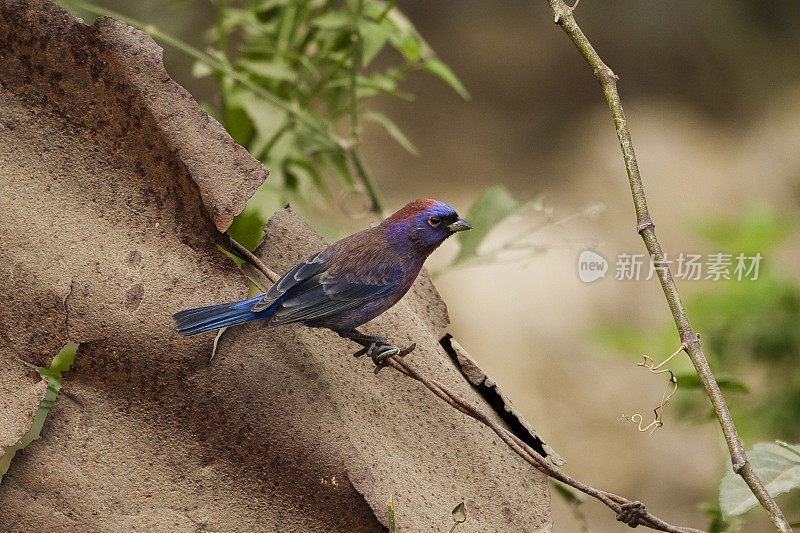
(488, 106)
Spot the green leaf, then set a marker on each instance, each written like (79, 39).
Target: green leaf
(758, 229)
(265, 119)
(406, 39)
(392, 129)
(61, 363)
(718, 524)
(447, 75)
(493, 206)
(392, 526)
(266, 5)
(373, 39)
(333, 20)
(337, 165)
(248, 228)
(274, 70)
(778, 468)
(306, 172)
(408, 45)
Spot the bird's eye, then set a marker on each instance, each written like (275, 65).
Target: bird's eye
(434, 221)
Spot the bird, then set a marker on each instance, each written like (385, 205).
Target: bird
(347, 284)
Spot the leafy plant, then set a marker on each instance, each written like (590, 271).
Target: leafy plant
(573, 499)
(317, 58)
(778, 466)
(293, 78)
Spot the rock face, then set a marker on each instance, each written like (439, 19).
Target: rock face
(114, 190)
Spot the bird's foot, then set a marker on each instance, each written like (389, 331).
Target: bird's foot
(376, 348)
(380, 352)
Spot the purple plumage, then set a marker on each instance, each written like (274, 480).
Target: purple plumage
(349, 283)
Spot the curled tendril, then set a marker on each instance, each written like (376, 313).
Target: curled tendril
(669, 392)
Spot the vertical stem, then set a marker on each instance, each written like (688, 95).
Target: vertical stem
(374, 193)
(355, 37)
(222, 47)
(352, 151)
(646, 229)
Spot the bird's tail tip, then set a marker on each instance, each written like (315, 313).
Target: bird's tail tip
(202, 319)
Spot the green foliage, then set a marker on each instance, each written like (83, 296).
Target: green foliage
(291, 75)
(61, 363)
(756, 230)
(317, 59)
(749, 331)
(566, 492)
(392, 525)
(778, 466)
(247, 228)
(573, 499)
(692, 381)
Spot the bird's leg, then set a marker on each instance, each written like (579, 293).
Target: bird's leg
(363, 339)
(376, 348)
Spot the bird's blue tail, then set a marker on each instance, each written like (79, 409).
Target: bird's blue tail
(200, 319)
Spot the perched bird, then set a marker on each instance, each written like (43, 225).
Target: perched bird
(348, 283)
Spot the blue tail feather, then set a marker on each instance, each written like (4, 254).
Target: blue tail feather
(200, 319)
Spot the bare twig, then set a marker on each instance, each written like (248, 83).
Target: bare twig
(243, 253)
(630, 512)
(645, 227)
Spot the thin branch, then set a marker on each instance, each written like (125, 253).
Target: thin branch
(616, 503)
(646, 228)
(630, 512)
(246, 255)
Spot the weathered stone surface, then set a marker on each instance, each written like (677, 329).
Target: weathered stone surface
(114, 187)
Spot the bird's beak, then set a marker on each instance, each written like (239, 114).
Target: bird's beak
(459, 225)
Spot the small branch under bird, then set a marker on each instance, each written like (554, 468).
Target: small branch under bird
(348, 283)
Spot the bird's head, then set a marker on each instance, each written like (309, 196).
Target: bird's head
(423, 225)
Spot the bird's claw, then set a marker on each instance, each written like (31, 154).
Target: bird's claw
(381, 352)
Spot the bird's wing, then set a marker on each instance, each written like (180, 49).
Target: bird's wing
(327, 294)
(290, 281)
